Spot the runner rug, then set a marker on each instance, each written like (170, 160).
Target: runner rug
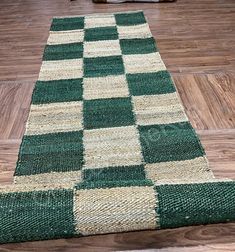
(108, 147)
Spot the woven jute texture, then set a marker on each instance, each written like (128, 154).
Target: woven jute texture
(108, 147)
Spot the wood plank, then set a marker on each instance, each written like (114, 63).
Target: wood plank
(193, 237)
(220, 149)
(8, 157)
(209, 99)
(15, 100)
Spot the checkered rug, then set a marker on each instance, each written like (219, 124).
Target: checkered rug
(108, 147)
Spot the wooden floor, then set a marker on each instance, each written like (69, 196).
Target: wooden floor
(196, 39)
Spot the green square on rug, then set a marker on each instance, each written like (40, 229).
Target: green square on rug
(103, 113)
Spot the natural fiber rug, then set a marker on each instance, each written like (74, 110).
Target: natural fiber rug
(108, 147)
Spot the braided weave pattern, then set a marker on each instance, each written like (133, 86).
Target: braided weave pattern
(108, 147)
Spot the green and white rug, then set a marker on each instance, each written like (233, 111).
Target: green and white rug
(108, 147)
